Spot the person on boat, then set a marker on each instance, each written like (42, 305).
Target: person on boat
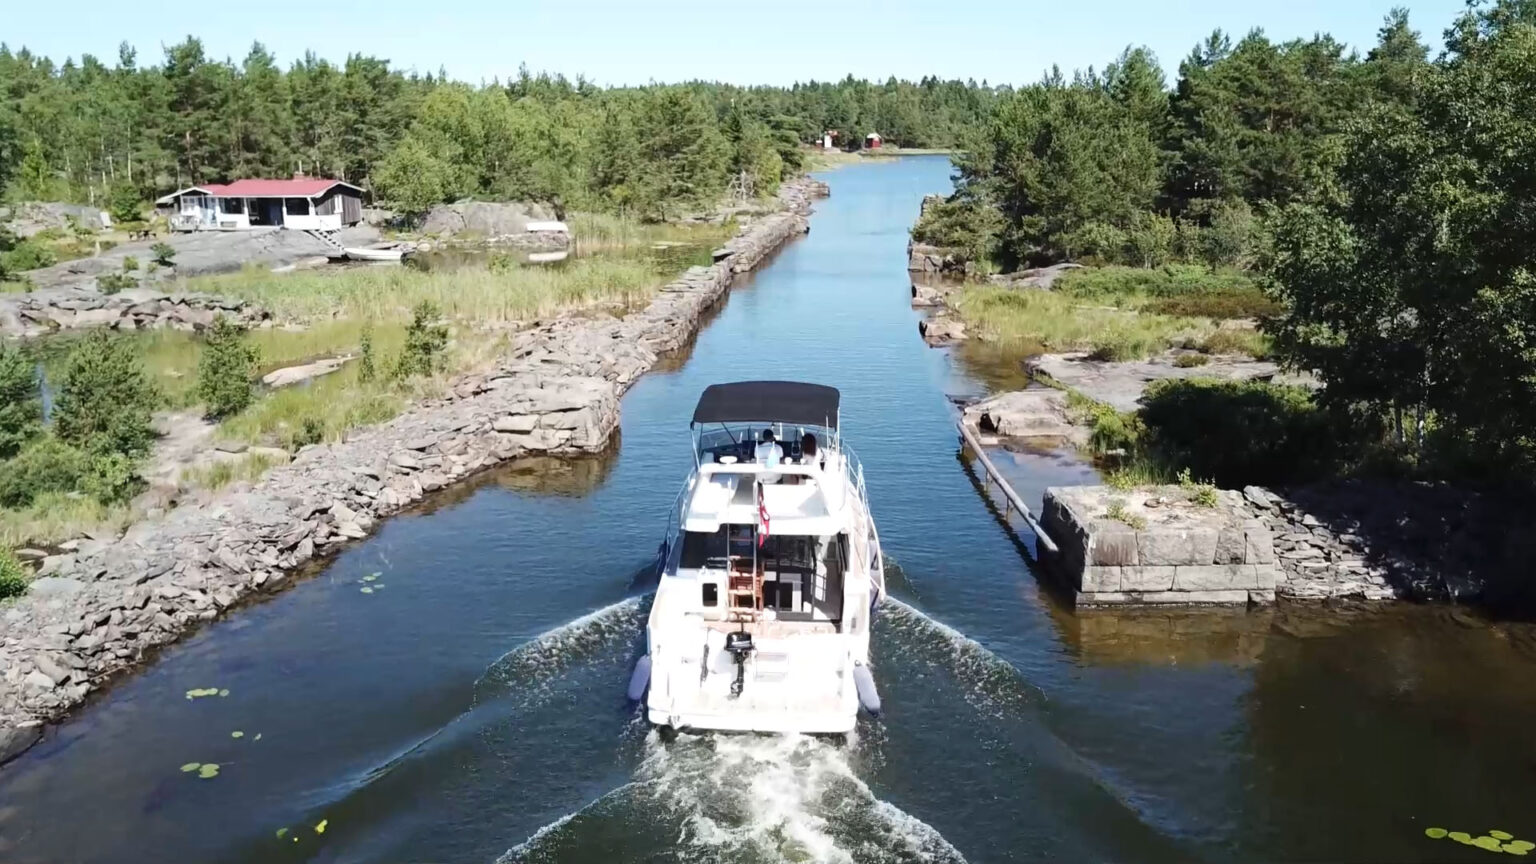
(768, 451)
(808, 449)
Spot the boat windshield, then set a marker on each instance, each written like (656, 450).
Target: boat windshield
(738, 442)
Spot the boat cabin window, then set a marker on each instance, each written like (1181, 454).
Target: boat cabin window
(702, 549)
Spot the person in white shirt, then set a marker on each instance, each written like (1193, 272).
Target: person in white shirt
(768, 452)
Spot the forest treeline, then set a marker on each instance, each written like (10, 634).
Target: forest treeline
(84, 130)
(1384, 201)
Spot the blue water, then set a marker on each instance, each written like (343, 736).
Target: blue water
(470, 706)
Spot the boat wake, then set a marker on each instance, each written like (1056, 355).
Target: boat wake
(990, 684)
(527, 672)
(741, 798)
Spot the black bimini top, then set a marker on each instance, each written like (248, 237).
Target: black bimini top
(768, 402)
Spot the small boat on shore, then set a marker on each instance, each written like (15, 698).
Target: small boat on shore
(770, 572)
(370, 253)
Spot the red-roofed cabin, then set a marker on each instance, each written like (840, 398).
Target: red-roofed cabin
(300, 203)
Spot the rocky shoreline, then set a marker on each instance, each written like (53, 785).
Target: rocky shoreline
(99, 610)
(48, 310)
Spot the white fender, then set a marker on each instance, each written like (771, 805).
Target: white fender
(640, 678)
(864, 683)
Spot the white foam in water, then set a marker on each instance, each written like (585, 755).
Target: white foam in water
(991, 683)
(762, 798)
(532, 665)
(755, 798)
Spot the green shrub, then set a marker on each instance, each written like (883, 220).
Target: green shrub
(112, 283)
(1150, 240)
(425, 342)
(1245, 302)
(1241, 432)
(969, 227)
(1173, 280)
(27, 255)
(1116, 510)
(1232, 341)
(165, 253)
(123, 203)
(21, 411)
(46, 465)
(1127, 343)
(130, 264)
(225, 370)
(1189, 361)
(1110, 431)
(13, 575)
(105, 401)
(311, 431)
(1202, 494)
(366, 369)
(111, 478)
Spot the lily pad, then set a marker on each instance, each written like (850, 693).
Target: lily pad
(200, 692)
(208, 770)
(1435, 833)
(1501, 835)
(1488, 843)
(223, 693)
(237, 734)
(372, 576)
(1460, 836)
(281, 833)
(191, 766)
(320, 826)
(366, 590)
(378, 586)
(258, 737)
(1519, 847)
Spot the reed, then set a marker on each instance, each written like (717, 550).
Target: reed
(1036, 321)
(483, 294)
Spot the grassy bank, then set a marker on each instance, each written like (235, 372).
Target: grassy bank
(480, 301)
(1122, 327)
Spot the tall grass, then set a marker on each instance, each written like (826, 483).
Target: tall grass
(55, 516)
(483, 295)
(608, 232)
(1181, 290)
(224, 472)
(1038, 321)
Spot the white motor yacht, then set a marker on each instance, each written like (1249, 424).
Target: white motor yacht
(770, 572)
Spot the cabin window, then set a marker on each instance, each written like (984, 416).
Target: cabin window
(296, 206)
(711, 594)
(232, 205)
(702, 550)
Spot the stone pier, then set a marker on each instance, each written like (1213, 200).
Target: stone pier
(1158, 545)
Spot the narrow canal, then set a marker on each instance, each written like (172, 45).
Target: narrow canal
(469, 705)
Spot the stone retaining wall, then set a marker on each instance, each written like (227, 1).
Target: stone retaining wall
(67, 308)
(1317, 562)
(97, 611)
(1180, 552)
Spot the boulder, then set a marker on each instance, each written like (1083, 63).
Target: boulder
(15, 740)
(290, 375)
(486, 219)
(941, 331)
(1038, 413)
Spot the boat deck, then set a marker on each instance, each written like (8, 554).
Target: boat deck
(774, 629)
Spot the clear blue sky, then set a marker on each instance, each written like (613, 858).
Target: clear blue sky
(627, 42)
